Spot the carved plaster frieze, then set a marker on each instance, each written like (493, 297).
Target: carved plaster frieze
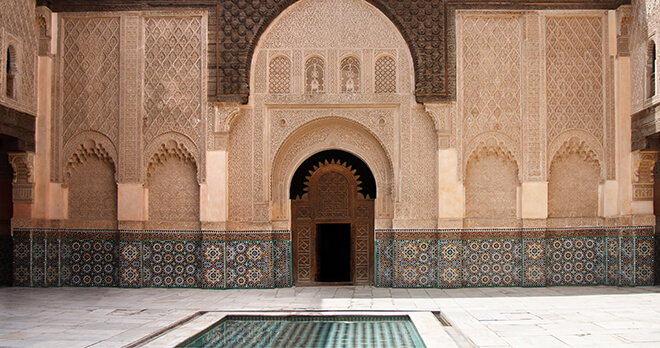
(379, 121)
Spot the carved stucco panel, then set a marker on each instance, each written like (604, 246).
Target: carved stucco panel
(284, 122)
(240, 167)
(575, 72)
(573, 181)
(173, 76)
(418, 194)
(491, 66)
(90, 94)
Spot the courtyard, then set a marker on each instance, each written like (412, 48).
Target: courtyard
(485, 317)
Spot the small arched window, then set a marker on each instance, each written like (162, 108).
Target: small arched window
(314, 75)
(11, 73)
(350, 75)
(650, 70)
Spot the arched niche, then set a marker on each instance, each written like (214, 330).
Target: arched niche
(331, 134)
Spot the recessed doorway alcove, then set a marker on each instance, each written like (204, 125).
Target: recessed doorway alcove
(332, 205)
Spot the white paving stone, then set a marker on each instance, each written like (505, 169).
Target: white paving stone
(486, 317)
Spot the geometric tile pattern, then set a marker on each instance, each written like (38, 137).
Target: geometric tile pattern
(644, 260)
(281, 263)
(608, 256)
(495, 262)
(89, 262)
(450, 263)
(534, 262)
(130, 260)
(52, 276)
(626, 261)
(22, 261)
(170, 263)
(213, 264)
(258, 259)
(612, 263)
(385, 261)
(248, 264)
(262, 259)
(416, 263)
(38, 262)
(576, 261)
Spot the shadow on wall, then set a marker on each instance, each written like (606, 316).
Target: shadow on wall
(7, 144)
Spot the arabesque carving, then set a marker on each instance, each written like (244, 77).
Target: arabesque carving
(170, 149)
(577, 146)
(83, 152)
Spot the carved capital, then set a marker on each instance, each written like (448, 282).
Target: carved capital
(23, 182)
(623, 21)
(643, 164)
(440, 115)
(224, 114)
(23, 164)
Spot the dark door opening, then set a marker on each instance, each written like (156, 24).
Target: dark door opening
(334, 252)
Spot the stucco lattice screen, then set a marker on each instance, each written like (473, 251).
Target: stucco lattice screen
(279, 79)
(385, 70)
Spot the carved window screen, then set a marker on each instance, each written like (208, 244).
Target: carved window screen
(12, 72)
(651, 67)
(315, 75)
(350, 75)
(279, 75)
(385, 70)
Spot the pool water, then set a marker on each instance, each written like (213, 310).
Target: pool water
(309, 331)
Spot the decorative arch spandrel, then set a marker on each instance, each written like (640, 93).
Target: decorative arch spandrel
(327, 134)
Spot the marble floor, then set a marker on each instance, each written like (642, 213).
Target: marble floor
(484, 317)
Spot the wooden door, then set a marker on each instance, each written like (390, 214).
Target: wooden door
(332, 197)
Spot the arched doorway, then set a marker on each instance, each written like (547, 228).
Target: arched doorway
(332, 207)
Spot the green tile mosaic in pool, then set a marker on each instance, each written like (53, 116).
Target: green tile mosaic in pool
(309, 331)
